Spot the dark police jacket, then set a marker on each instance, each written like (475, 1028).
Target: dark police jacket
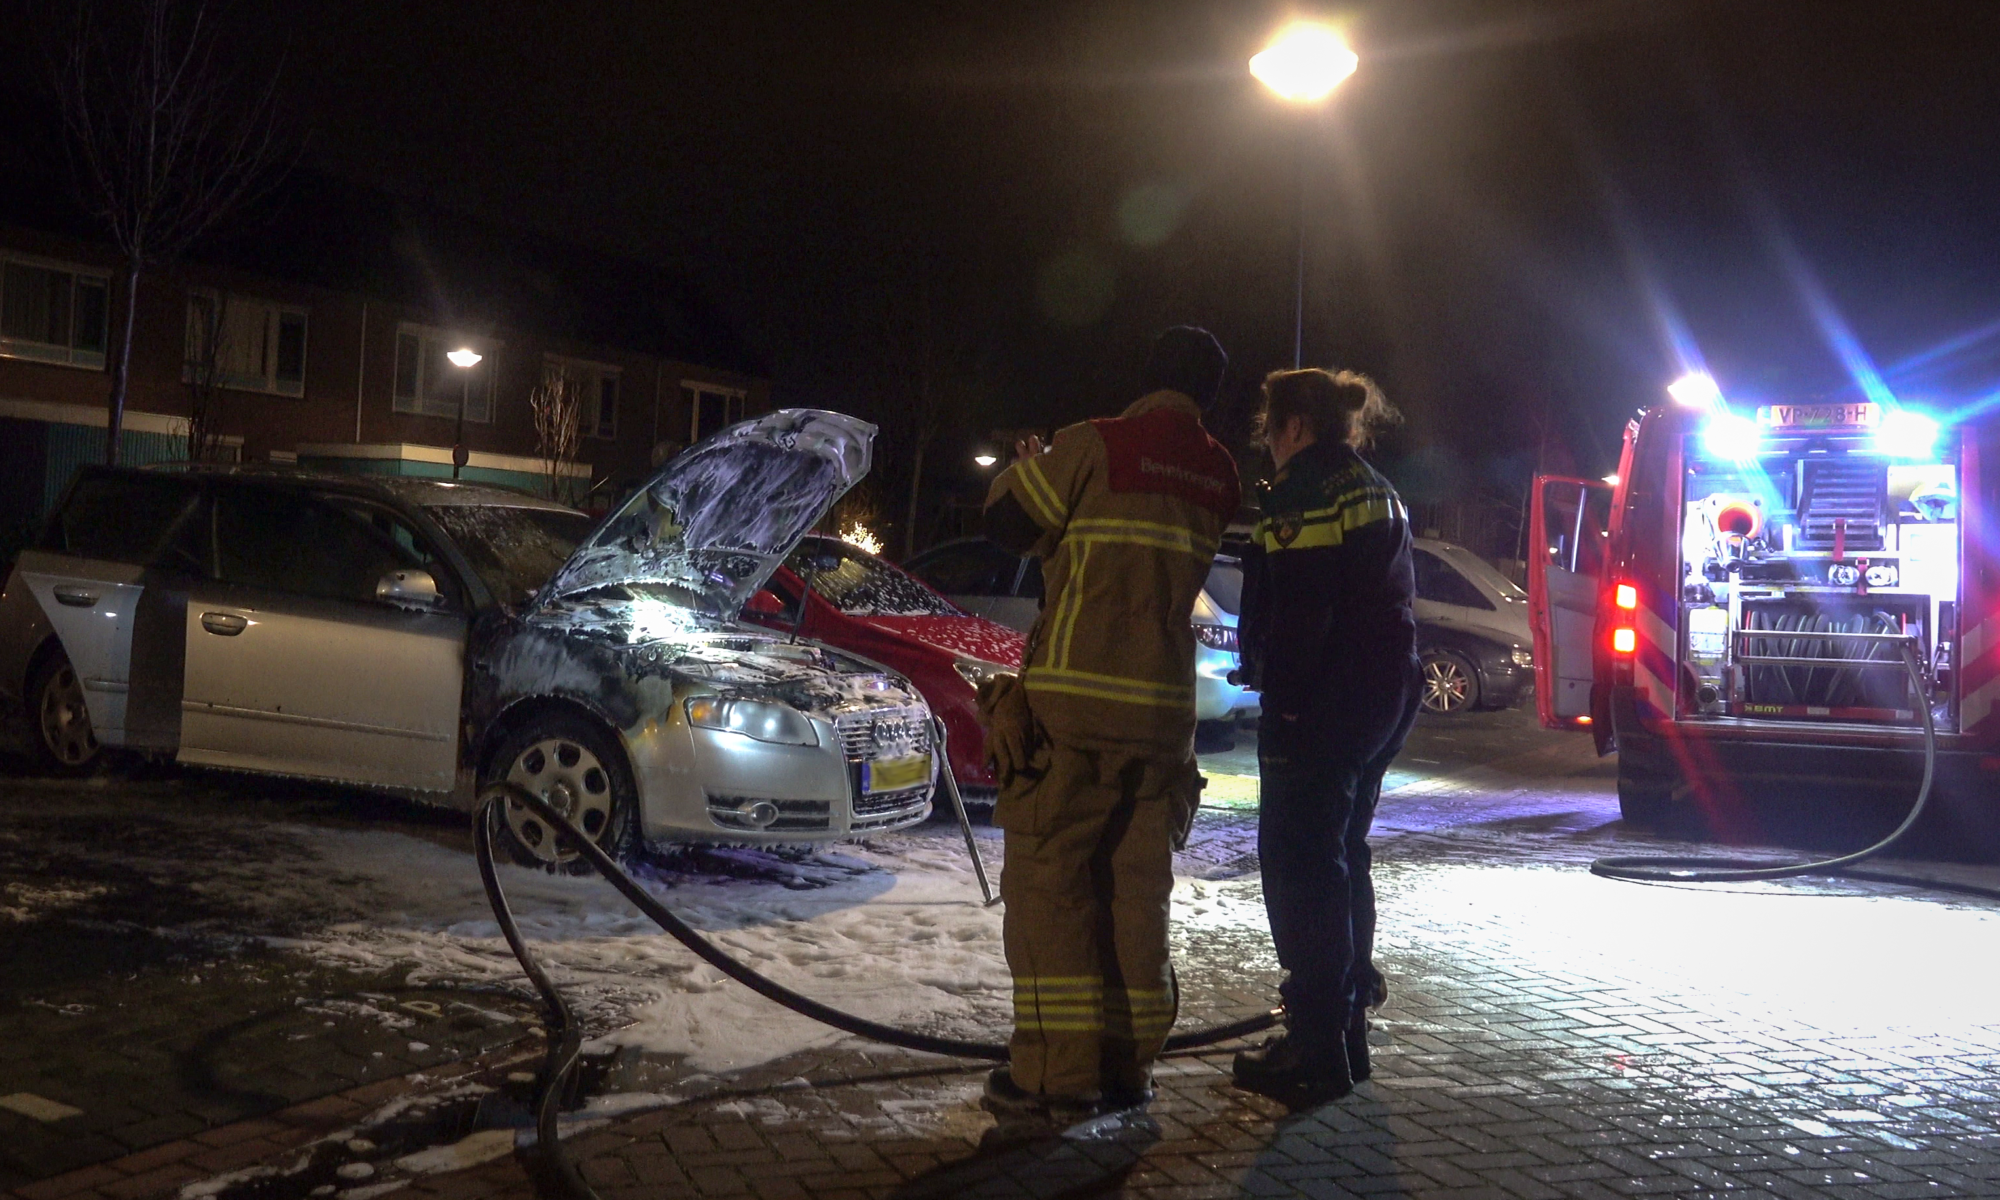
(1327, 588)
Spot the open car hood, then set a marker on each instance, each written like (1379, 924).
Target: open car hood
(709, 528)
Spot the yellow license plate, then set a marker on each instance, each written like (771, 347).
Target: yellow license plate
(895, 774)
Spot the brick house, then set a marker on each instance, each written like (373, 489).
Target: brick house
(332, 352)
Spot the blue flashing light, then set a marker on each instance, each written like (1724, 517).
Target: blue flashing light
(1906, 434)
(1732, 436)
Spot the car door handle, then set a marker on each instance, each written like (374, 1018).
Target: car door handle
(75, 597)
(224, 624)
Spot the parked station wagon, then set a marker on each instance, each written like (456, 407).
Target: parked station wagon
(432, 637)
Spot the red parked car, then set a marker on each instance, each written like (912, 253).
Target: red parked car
(868, 606)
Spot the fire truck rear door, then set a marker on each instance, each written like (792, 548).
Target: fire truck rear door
(1568, 528)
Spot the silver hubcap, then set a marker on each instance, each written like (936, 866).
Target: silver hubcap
(572, 781)
(65, 721)
(1447, 688)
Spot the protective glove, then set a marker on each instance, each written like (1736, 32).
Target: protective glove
(1009, 723)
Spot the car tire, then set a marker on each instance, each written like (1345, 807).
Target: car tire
(1214, 737)
(63, 740)
(578, 766)
(1450, 683)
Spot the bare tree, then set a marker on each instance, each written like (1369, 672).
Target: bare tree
(928, 386)
(165, 144)
(557, 405)
(207, 352)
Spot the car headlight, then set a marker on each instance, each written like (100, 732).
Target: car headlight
(1523, 657)
(1217, 637)
(976, 671)
(760, 719)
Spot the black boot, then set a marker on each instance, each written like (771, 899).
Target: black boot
(1357, 1046)
(1298, 1074)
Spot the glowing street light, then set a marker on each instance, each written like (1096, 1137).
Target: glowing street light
(1696, 389)
(1612, 479)
(464, 358)
(1305, 62)
(985, 458)
(1303, 65)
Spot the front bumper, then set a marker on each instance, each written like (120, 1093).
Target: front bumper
(702, 785)
(1215, 698)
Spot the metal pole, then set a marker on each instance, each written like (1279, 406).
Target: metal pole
(1299, 275)
(458, 439)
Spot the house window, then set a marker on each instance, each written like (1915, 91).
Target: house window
(244, 343)
(710, 409)
(53, 313)
(428, 383)
(599, 382)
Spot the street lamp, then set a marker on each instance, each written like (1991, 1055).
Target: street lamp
(464, 358)
(1303, 65)
(985, 458)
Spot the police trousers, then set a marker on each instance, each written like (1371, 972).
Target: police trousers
(1087, 883)
(1318, 791)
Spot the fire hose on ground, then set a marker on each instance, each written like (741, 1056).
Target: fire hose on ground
(1707, 869)
(565, 1039)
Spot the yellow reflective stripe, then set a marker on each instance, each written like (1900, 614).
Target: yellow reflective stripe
(1039, 491)
(1157, 535)
(1116, 683)
(1323, 527)
(1071, 607)
(1091, 693)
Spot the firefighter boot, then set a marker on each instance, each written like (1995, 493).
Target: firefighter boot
(1294, 1072)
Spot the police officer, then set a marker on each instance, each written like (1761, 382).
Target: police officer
(1329, 637)
(1094, 745)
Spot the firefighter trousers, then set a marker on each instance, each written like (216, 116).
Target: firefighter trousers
(1317, 795)
(1087, 882)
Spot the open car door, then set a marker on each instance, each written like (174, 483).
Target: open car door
(1568, 536)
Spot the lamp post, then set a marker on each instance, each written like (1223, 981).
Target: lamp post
(464, 358)
(1303, 65)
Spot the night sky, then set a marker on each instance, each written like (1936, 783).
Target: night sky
(1517, 211)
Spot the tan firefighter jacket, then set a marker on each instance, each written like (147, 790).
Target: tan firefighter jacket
(1129, 511)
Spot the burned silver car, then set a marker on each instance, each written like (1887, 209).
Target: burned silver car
(433, 637)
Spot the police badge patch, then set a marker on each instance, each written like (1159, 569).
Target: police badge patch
(1285, 529)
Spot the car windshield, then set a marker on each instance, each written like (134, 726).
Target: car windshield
(865, 586)
(1225, 585)
(515, 550)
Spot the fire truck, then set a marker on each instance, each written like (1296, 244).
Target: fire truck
(1731, 612)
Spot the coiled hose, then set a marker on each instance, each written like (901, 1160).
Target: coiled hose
(1707, 869)
(565, 1037)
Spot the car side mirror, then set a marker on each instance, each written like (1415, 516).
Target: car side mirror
(409, 589)
(765, 604)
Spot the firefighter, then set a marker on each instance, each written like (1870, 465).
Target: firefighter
(1094, 745)
(1329, 637)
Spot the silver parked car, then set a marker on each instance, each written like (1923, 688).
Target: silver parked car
(432, 637)
(987, 581)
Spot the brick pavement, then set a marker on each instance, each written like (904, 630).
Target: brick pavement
(1550, 1035)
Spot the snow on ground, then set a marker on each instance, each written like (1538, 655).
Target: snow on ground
(897, 934)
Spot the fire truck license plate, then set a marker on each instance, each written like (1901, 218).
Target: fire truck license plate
(1860, 415)
(895, 774)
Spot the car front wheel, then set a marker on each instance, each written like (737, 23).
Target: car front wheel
(65, 743)
(579, 770)
(1451, 686)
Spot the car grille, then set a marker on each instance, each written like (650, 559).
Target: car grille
(884, 733)
(882, 811)
(794, 816)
